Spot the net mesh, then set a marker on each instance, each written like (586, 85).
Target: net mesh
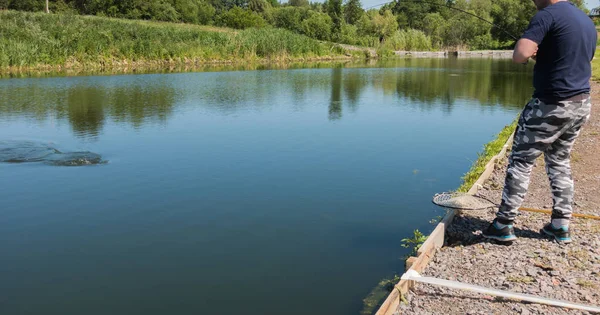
(462, 201)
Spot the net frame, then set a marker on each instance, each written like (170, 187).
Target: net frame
(462, 201)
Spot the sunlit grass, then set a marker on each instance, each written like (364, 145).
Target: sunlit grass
(596, 66)
(39, 39)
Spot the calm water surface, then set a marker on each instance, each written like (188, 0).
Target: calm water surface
(237, 192)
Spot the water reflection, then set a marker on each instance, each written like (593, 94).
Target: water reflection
(85, 109)
(426, 84)
(335, 102)
(87, 106)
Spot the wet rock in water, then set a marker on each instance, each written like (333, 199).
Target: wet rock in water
(75, 159)
(29, 151)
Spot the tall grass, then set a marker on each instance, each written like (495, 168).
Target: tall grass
(596, 66)
(408, 40)
(38, 39)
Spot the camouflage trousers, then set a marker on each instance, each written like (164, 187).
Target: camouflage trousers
(550, 129)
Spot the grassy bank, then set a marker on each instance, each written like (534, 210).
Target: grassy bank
(38, 40)
(489, 150)
(596, 66)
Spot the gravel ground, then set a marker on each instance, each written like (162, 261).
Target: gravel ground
(533, 264)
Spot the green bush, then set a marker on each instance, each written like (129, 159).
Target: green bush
(25, 5)
(258, 6)
(435, 27)
(484, 42)
(206, 13)
(378, 25)
(318, 26)
(349, 34)
(161, 11)
(192, 10)
(290, 18)
(240, 19)
(299, 3)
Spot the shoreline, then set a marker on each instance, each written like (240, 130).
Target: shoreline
(142, 66)
(186, 65)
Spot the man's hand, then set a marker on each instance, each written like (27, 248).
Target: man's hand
(524, 50)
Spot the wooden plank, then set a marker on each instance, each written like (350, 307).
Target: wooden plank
(392, 302)
(410, 261)
(424, 255)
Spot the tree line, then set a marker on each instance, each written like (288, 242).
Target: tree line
(398, 25)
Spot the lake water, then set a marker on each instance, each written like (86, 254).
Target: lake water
(236, 192)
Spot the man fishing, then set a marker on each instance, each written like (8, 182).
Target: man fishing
(562, 40)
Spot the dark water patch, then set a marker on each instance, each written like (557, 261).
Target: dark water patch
(29, 151)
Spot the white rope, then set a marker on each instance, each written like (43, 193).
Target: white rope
(415, 276)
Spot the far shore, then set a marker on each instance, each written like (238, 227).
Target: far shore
(185, 65)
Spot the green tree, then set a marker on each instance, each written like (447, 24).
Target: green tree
(334, 9)
(318, 26)
(240, 18)
(380, 25)
(26, 5)
(224, 5)
(353, 11)
(317, 7)
(298, 3)
(258, 6)
(188, 10)
(290, 18)
(410, 14)
(462, 28)
(161, 11)
(435, 26)
(206, 13)
(511, 17)
(350, 35)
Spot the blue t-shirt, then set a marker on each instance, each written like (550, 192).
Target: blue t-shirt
(566, 39)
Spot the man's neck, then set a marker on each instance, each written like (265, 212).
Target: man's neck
(557, 1)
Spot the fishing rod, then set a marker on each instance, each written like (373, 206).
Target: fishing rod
(449, 7)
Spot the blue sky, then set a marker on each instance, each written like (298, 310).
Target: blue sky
(590, 4)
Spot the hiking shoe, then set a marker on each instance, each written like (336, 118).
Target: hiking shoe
(561, 234)
(501, 234)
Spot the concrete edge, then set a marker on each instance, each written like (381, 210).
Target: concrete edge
(434, 242)
(459, 54)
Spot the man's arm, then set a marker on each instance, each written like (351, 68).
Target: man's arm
(524, 50)
(527, 46)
